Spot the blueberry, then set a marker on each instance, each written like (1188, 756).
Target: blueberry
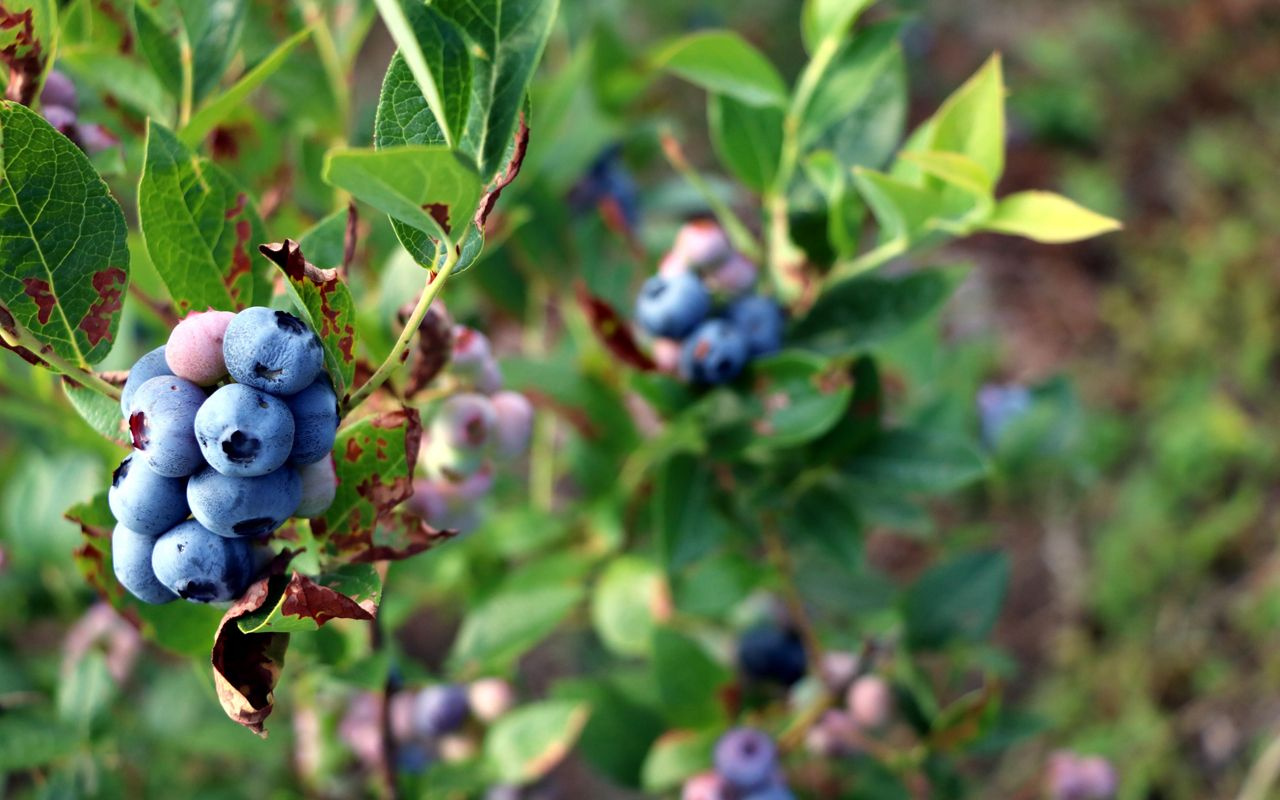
(194, 350)
(440, 709)
(773, 791)
(319, 486)
(152, 365)
(198, 565)
(412, 758)
(999, 407)
(701, 244)
(870, 701)
(672, 305)
(162, 423)
(58, 90)
(233, 507)
(448, 504)
(472, 360)
(514, 424)
(131, 562)
(761, 321)
(714, 354)
(315, 421)
(490, 698)
(272, 350)
(746, 758)
(244, 432)
(145, 502)
(706, 786)
(767, 653)
(458, 437)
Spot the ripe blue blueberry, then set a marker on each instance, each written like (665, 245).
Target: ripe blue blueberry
(761, 321)
(774, 791)
(131, 562)
(151, 365)
(315, 420)
(319, 487)
(746, 758)
(412, 758)
(197, 564)
(58, 90)
(768, 653)
(233, 506)
(162, 424)
(672, 305)
(244, 431)
(440, 709)
(145, 502)
(272, 350)
(714, 354)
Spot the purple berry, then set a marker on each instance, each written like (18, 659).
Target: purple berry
(235, 507)
(58, 90)
(272, 350)
(514, 417)
(672, 305)
(768, 653)
(441, 709)
(131, 562)
(746, 758)
(244, 432)
(198, 565)
(144, 501)
(162, 424)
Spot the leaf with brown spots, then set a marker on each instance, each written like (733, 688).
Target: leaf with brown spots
(246, 666)
(304, 604)
(434, 347)
(24, 28)
(66, 262)
(198, 225)
(612, 330)
(326, 304)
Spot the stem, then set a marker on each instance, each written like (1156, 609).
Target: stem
(331, 61)
(186, 58)
(781, 559)
(401, 349)
(737, 231)
(542, 471)
(386, 749)
(79, 375)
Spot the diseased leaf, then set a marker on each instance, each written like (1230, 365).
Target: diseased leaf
(209, 28)
(725, 63)
(26, 32)
(612, 330)
(525, 744)
(1047, 217)
(326, 302)
(66, 262)
(198, 227)
(301, 603)
(246, 666)
(800, 397)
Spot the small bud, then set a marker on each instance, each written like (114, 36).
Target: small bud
(870, 700)
(490, 698)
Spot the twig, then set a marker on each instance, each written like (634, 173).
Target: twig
(157, 307)
(84, 377)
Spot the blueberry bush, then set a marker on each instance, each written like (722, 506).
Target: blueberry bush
(600, 527)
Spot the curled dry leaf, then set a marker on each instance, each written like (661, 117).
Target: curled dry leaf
(613, 331)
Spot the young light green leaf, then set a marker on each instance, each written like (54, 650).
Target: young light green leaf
(224, 104)
(955, 169)
(851, 80)
(828, 19)
(677, 756)
(971, 121)
(433, 54)
(66, 262)
(902, 210)
(199, 228)
(747, 138)
(116, 75)
(631, 597)
(431, 188)
(527, 743)
(209, 29)
(1047, 217)
(724, 63)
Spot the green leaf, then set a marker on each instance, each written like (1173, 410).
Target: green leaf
(851, 80)
(66, 262)
(352, 591)
(844, 211)
(527, 743)
(828, 19)
(85, 690)
(1047, 217)
(630, 598)
(918, 461)
(623, 723)
(904, 211)
(100, 412)
(827, 516)
(432, 52)
(229, 101)
(116, 75)
(27, 742)
(955, 169)
(510, 623)
(211, 28)
(199, 228)
(971, 122)
(325, 243)
(689, 526)
(724, 63)
(326, 303)
(854, 315)
(431, 188)
(800, 397)
(959, 600)
(506, 39)
(747, 138)
(678, 756)
(689, 680)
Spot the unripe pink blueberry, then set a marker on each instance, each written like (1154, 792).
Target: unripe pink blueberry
(319, 485)
(838, 669)
(1074, 777)
(666, 354)
(835, 734)
(400, 713)
(869, 700)
(702, 244)
(490, 698)
(490, 378)
(736, 275)
(673, 263)
(448, 504)
(472, 360)
(456, 747)
(455, 443)
(514, 426)
(194, 350)
(706, 786)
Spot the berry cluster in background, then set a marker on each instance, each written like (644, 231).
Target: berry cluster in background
(476, 426)
(232, 423)
(60, 106)
(701, 309)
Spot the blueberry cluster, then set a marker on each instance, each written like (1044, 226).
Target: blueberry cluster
(468, 431)
(232, 421)
(707, 323)
(59, 105)
(746, 768)
(772, 654)
(843, 730)
(1071, 776)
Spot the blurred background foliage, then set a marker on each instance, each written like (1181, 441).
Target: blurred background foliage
(1136, 498)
